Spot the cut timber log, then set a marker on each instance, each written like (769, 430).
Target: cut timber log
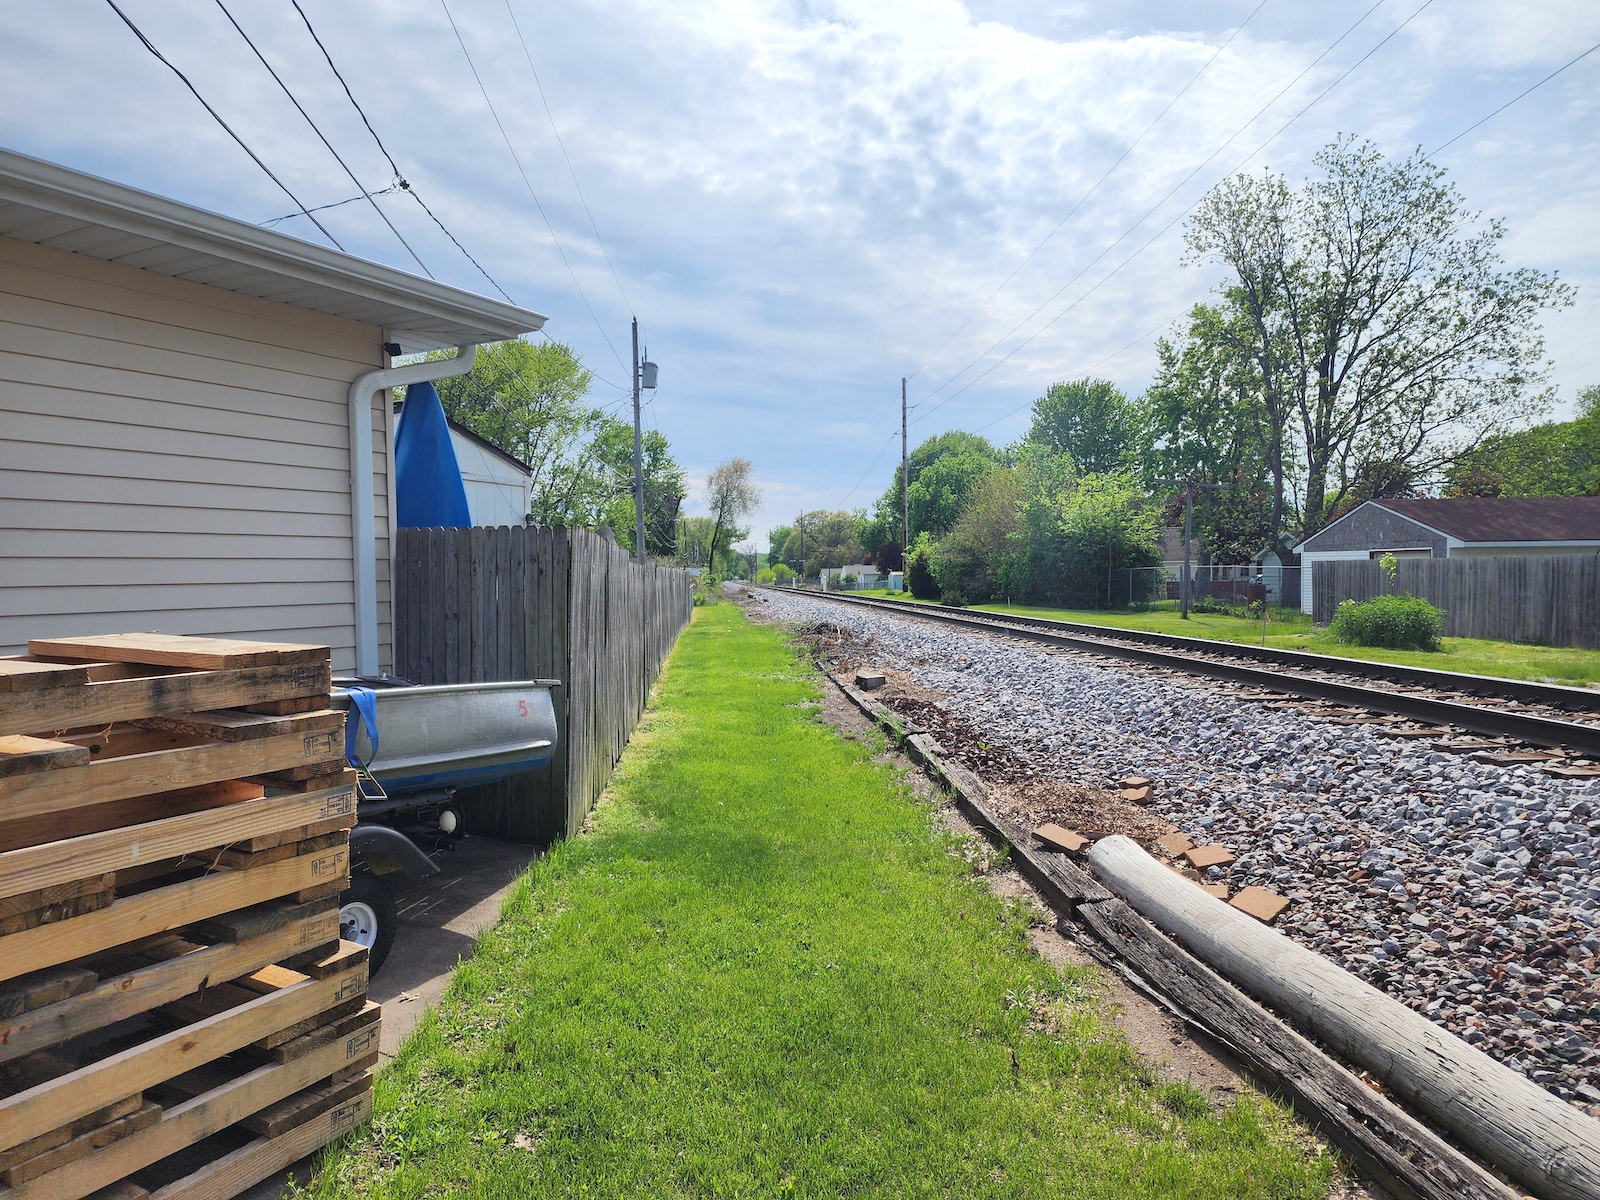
(1541, 1142)
(1391, 1147)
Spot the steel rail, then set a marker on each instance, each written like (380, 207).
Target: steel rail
(1200, 658)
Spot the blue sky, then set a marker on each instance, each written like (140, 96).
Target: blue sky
(804, 201)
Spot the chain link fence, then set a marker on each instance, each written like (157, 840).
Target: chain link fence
(1232, 586)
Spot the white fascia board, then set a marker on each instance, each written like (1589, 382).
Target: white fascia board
(99, 202)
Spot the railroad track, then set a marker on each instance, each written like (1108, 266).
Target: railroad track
(1539, 714)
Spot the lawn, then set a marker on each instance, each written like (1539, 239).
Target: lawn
(763, 971)
(1294, 631)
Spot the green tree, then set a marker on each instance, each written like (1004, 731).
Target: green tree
(1378, 316)
(1559, 458)
(663, 487)
(821, 539)
(958, 460)
(529, 400)
(731, 495)
(1090, 421)
(984, 555)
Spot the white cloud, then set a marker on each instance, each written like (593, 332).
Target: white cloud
(803, 200)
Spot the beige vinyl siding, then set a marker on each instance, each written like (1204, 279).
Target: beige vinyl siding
(174, 456)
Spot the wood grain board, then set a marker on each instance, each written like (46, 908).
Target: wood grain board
(184, 1124)
(21, 754)
(160, 771)
(100, 702)
(234, 725)
(163, 980)
(33, 867)
(158, 911)
(26, 675)
(228, 1176)
(63, 1099)
(171, 650)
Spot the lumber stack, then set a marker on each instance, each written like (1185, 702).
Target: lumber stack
(178, 1014)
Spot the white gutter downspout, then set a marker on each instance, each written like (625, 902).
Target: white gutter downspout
(363, 522)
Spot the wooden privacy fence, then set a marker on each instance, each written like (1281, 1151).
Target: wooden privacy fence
(481, 605)
(1551, 600)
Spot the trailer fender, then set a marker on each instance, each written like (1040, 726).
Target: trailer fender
(386, 851)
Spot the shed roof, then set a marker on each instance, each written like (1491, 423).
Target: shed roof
(1506, 518)
(51, 205)
(487, 446)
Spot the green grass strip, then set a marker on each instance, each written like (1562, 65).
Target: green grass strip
(764, 972)
(1294, 631)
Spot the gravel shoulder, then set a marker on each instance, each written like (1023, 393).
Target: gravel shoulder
(1467, 891)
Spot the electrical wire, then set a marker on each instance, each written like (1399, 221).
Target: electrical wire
(886, 444)
(1083, 373)
(393, 187)
(1515, 98)
(1169, 320)
(300, 108)
(217, 117)
(1096, 187)
(528, 182)
(399, 178)
(1184, 212)
(582, 199)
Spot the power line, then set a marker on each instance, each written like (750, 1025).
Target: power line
(1085, 371)
(528, 182)
(217, 117)
(1515, 98)
(400, 181)
(1096, 187)
(886, 444)
(581, 198)
(368, 196)
(393, 187)
(1379, 45)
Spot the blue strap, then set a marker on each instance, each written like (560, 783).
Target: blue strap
(363, 706)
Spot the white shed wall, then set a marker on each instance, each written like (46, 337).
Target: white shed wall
(497, 493)
(1308, 567)
(175, 457)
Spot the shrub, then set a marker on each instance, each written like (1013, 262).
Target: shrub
(849, 581)
(1393, 622)
(766, 575)
(919, 574)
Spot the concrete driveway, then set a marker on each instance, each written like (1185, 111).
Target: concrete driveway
(440, 920)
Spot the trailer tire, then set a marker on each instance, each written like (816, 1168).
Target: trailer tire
(367, 917)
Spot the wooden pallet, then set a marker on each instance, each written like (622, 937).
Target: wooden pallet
(178, 1016)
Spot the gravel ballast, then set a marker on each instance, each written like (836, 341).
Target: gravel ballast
(1469, 892)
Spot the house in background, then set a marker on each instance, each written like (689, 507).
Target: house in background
(499, 486)
(195, 430)
(1466, 527)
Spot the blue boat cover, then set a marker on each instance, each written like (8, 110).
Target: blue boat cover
(428, 489)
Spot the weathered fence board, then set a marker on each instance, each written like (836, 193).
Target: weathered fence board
(1553, 600)
(486, 604)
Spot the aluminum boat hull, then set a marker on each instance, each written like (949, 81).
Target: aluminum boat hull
(457, 735)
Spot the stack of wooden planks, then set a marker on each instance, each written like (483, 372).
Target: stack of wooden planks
(179, 1017)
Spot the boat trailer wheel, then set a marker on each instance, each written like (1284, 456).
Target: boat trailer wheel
(367, 917)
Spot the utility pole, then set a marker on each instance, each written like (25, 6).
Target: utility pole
(638, 456)
(905, 488)
(1190, 487)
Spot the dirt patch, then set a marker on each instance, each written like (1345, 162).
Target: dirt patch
(1019, 792)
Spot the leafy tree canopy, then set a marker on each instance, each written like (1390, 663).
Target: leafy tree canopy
(1555, 459)
(1090, 421)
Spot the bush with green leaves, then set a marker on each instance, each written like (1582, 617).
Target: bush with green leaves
(919, 571)
(1392, 622)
